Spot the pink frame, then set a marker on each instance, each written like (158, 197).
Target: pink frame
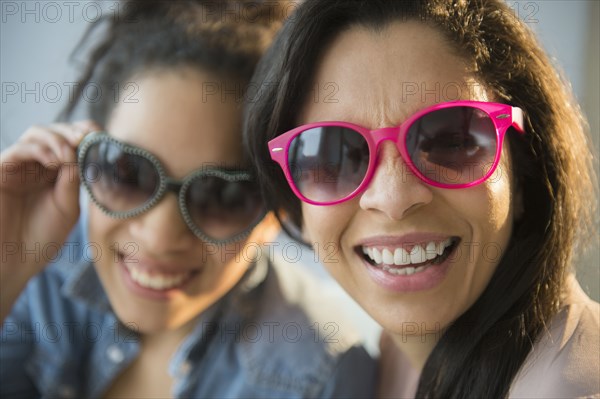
(503, 116)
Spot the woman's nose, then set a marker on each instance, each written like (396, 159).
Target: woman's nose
(394, 190)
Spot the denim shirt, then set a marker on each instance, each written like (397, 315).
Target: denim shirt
(270, 337)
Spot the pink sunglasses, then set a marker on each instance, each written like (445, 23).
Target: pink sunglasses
(449, 145)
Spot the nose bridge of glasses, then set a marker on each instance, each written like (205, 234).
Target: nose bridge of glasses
(387, 133)
(173, 185)
(384, 133)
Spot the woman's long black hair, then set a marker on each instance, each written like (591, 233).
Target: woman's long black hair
(480, 354)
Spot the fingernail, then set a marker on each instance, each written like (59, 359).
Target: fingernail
(77, 136)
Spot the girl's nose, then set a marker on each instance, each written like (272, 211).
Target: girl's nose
(162, 229)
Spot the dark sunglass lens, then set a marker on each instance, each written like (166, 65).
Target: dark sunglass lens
(222, 208)
(118, 180)
(454, 145)
(328, 163)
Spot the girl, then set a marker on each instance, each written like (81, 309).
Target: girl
(160, 290)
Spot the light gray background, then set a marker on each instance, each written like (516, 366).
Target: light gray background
(37, 38)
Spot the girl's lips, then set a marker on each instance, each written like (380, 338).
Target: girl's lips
(412, 277)
(148, 282)
(151, 266)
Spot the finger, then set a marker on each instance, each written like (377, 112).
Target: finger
(30, 152)
(88, 125)
(76, 131)
(54, 137)
(28, 163)
(67, 188)
(73, 133)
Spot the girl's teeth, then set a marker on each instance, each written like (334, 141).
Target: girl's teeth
(155, 281)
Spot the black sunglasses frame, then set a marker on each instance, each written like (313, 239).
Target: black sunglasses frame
(166, 184)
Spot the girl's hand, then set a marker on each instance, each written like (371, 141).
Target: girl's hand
(39, 197)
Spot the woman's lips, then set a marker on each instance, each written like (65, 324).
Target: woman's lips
(407, 264)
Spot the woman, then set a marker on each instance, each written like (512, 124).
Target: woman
(451, 172)
(161, 289)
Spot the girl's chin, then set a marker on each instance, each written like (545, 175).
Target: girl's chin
(131, 319)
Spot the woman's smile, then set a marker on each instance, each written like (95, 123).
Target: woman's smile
(413, 262)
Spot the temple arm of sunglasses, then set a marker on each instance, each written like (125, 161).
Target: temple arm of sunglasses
(517, 119)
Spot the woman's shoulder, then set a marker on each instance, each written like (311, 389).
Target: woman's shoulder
(565, 361)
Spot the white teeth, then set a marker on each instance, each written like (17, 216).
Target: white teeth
(387, 257)
(401, 271)
(417, 254)
(155, 281)
(394, 270)
(431, 250)
(440, 248)
(377, 257)
(401, 257)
